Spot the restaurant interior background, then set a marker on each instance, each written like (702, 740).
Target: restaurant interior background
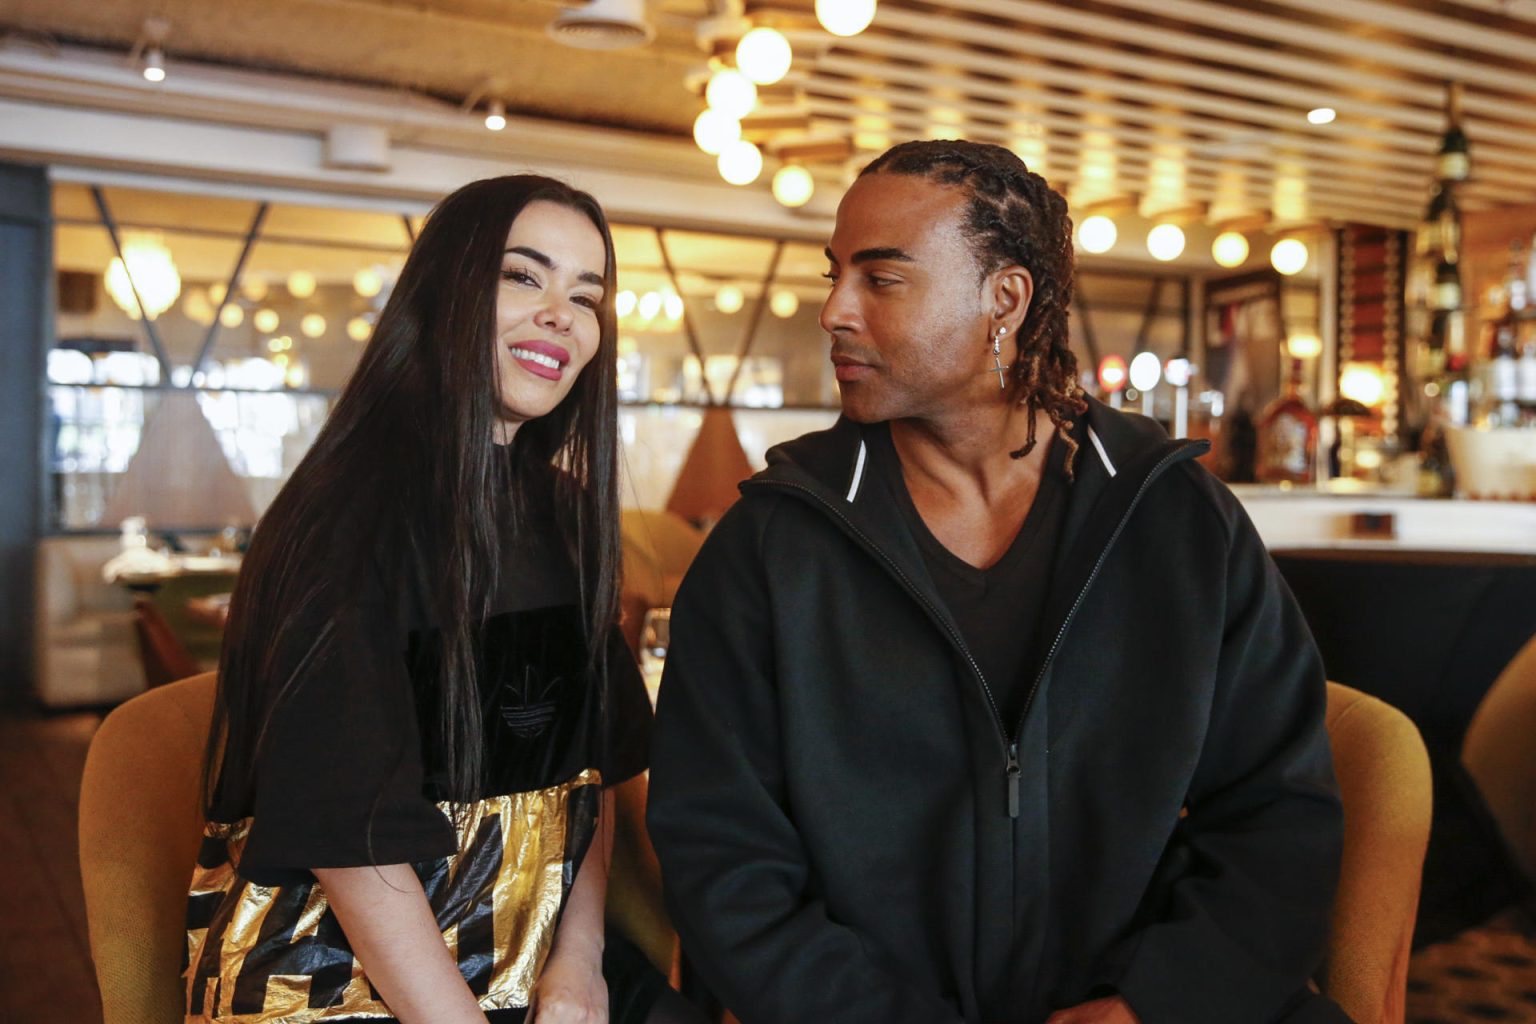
(1312, 220)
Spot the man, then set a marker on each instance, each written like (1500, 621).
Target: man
(987, 704)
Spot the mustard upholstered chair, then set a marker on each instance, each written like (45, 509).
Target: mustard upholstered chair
(1501, 758)
(1384, 780)
(657, 547)
(141, 823)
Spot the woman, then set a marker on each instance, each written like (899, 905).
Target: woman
(421, 695)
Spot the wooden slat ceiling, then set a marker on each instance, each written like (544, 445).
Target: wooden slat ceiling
(1190, 105)
(1180, 103)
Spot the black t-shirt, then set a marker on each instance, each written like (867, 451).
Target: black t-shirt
(997, 608)
(349, 772)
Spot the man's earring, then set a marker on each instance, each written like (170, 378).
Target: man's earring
(997, 359)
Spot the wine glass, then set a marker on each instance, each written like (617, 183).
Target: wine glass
(655, 636)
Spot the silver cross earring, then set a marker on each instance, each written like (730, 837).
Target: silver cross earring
(997, 358)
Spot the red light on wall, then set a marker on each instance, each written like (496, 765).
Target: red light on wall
(1112, 373)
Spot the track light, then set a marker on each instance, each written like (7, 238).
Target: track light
(495, 115)
(154, 64)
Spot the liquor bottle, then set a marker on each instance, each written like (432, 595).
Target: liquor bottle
(1288, 436)
(1446, 294)
(1525, 341)
(1454, 162)
(1440, 232)
(1437, 478)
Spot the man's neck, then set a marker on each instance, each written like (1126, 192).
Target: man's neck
(969, 455)
(964, 481)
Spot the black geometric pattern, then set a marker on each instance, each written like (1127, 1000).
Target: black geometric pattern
(1486, 973)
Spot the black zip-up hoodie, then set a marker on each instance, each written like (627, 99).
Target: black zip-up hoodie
(849, 832)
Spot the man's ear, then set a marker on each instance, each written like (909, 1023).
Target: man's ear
(1012, 289)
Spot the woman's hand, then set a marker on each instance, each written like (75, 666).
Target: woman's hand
(571, 990)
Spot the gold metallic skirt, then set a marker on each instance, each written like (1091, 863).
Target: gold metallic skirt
(277, 955)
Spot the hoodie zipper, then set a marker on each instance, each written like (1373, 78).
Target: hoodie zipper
(1013, 772)
(1050, 654)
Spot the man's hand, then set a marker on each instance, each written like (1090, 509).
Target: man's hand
(1109, 1010)
(570, 990)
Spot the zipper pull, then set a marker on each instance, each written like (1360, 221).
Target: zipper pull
(1013, 780)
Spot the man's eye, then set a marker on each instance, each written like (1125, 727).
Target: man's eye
(829, 276)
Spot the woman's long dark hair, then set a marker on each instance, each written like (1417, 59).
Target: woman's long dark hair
(409, 451)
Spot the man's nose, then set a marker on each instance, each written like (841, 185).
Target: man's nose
(839, 312)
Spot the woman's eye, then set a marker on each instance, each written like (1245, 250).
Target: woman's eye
(591, 302)
(520, 276)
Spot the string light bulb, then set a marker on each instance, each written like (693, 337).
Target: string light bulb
(1230, 249)
(1097, 234)
(784, 304)
(1289, 256)
(1166, 243)
(740, 163)
(729, 299)
(793, 185)
(713, 131)
(301, 284)
(731, 93)
(367, 282)
(764, 55)
(845, 17)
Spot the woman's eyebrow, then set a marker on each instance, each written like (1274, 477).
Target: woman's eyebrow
(586, 276)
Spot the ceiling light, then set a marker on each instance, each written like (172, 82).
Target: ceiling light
(231, 316)
(1363, 382)
(845, 17)
(313, 325)
(1321, 115)
(495, 115)
(1146, 369)
(1177, 371)
(713, 131)
(1165, 242)
(196, 307)
(731, 93)
(367, 282)
(154, 64)
(784, 303)
(650, 304)
(1289, 256)
(740, 163)
(254, 288)
(301, 284)
(793, 185)
(1097, 234)
(266, 320)
(624, 302)
(359, 329)
(1230, 249)
(1304, 346)
(672, 305)
(764, 56)
(729, 299)
(148, 263)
